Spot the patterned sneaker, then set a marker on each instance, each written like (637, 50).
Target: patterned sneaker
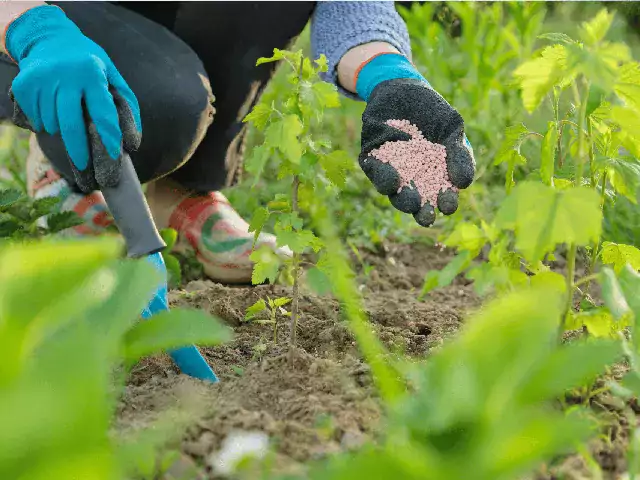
(44, 181)
(220, 238)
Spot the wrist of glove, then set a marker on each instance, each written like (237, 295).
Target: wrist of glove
(68, 86)
(414, 148)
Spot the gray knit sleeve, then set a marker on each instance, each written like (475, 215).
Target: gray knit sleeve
(337, 27)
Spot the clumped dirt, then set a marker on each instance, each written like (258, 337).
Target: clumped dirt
(327, 403)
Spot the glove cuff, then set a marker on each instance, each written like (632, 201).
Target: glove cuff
(32, 26)
(382, 67)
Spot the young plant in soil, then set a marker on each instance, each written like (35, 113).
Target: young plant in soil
(587, 156)
(274, 307)
(306, 160)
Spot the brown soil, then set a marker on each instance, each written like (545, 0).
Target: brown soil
(327, 403)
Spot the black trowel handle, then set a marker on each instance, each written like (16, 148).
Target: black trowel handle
(131, 213)
(126, 201)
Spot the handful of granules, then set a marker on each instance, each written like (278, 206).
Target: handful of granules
(420, 164)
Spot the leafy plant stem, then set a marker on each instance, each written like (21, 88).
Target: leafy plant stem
(594, 253)
(571, 258)
(586, 279)
(293, 324)
(274, 318)
(582, 102)
(571, 267)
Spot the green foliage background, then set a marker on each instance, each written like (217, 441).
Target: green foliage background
(484, 407)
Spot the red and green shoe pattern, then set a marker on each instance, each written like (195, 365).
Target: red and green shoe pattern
(220, 238)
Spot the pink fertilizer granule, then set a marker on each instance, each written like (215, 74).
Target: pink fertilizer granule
(418, 161)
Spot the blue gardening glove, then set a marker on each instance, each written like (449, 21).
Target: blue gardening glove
(188, 359)
(60, 68)
(403, 120)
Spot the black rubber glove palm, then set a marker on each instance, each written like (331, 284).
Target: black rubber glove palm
(416, 102)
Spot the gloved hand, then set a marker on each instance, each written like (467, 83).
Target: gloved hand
(188, 359)
(60, 68)
(413, 144)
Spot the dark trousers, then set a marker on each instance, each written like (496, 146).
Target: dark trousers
(174, 55)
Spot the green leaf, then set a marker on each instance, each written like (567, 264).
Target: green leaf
(44, 206)
(257, 162)
(612, 294)
(336, 166)
(548, 154)
(297, 241)
(601, 65)
(173, 329)
(170, 237)
(619, 254)
(623, 175)
(538, 76)
(586, 360)
(256, 308)
(550, 280)
(542, 217)
(266, 265)
(599, 323)
(281, 301)
(509, 151)
(259, 116)
(627, 118)
(8, 227)
(53, 269)
(557, 37)
(58, 221)
(513, 138)
(326, 94)
(322, 64)
(631, 381)
(318, 281)
(467, 236)
(283, 135)
(277, 55)
(260, 217)
(173, 269)
(290, 221)
(444, 277)
(629, 281)
(487, 277)
(9, 197)
(316, 96)
(593, 31)
(628, 85)
(430, 283)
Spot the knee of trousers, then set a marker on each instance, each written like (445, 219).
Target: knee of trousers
(174, 124)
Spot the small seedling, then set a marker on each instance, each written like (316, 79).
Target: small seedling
(274, 307)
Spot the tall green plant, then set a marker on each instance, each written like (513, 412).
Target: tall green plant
(306, 160)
